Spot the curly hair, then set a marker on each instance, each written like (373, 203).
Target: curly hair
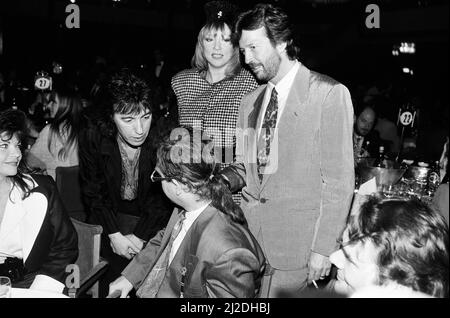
(13, 123)
(412, 240)
(191, 161)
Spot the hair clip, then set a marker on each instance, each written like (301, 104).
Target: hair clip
(211, 176)
(219, 14)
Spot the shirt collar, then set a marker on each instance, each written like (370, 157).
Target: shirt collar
(284, 85)
(191, 216)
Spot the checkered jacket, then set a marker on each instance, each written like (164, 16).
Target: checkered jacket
(213, 108)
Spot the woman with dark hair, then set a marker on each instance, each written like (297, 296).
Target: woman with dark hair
(393, 248)
(115, 151)
(57, 144)
(206, 250)
(210, 93)
(37, 238)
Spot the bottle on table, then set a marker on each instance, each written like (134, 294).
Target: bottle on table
(434, 178)
(380, 161)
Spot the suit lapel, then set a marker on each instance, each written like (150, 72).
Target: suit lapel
(36, 208)
(112, 161)
(252, 150)
(293, 110)
(192, 237)
(168, 232)
(145, 167)
(254, 114)
(185, 259)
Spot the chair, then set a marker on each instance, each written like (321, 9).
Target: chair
(89, 263)
(68, 184)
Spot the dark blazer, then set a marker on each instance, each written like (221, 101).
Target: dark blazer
(50, 241)
(221, 259)
(100, 177)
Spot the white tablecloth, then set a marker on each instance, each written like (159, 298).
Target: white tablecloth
(33, 293)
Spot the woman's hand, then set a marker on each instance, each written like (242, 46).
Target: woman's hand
(123, 246)
(121, 284)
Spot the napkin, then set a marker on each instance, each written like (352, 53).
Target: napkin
(368, 187)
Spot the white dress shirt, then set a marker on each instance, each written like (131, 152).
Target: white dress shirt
(191, 216)
(283, 88)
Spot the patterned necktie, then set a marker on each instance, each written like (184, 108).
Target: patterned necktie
(154, 279)
(267, 132)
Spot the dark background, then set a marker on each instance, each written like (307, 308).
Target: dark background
(331, 34)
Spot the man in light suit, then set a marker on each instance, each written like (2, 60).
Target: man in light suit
(297, 173)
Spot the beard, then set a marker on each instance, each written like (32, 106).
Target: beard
(268, 69)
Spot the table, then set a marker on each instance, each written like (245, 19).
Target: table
(33, 293)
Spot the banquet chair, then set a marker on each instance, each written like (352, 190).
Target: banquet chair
(90, 265)
(68, 184)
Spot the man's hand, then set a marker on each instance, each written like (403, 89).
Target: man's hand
(319, 267)
(121, 284)
(123, 246)
(136, 241)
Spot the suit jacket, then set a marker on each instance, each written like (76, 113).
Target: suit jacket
(302, 205)
(101, 176)
(221, 259)
(50, 241)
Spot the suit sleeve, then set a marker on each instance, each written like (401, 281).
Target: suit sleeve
(233, 275)
(64, 246)
(93, 183)
(337, 169)
(235, 173)
(142, 263)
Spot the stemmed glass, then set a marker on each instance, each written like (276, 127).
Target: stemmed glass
(5, 287)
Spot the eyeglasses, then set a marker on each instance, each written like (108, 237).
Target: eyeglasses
(156, 176)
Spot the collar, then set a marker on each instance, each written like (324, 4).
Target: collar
(284, 85)
(191, 216)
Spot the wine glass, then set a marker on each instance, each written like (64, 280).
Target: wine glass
(5, 287)
(387, 190)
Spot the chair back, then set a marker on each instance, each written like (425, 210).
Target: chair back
(68, 184)
(89, 238)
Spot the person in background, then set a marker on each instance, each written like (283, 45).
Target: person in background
(294, 159)
(57, 144)
(393, 248)
(37, 238)
(115, 169)
(385, 126)
(366, 140)
(209, 94)
(441, 196)
(206, 250)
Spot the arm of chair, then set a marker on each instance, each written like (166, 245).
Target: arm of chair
(92, 277)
